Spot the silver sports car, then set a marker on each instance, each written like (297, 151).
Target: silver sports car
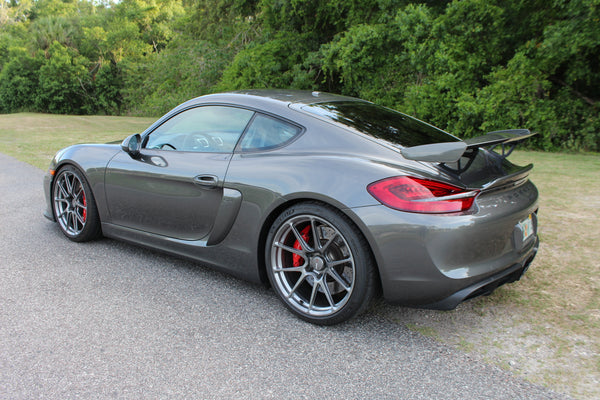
(330, 199)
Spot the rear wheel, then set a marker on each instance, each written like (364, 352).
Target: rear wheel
(319, 264)
(74, 205)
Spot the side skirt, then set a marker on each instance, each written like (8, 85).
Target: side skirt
(218, 257)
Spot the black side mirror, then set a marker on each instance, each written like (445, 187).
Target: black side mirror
(132, 145)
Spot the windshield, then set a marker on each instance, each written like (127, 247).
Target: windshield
(380, 122)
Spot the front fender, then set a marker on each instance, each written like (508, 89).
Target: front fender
(92, 160)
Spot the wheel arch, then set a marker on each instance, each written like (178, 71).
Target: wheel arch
(274, 214)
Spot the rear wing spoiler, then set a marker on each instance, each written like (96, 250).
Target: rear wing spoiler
(507, 139)
(449, 152)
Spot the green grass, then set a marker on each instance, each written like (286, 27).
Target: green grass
(559, 297)
(564, 283)
(35, 138)
(423, 330)
(558, 300)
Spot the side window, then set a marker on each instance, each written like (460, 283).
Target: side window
(266, 132)
(206, 129)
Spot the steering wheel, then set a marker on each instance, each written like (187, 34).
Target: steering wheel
(166, 146)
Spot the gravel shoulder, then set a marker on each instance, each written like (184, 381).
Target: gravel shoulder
(504, 336)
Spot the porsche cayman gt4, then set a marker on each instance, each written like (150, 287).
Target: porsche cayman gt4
(332, 200)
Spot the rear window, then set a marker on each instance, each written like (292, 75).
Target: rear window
(381, 123)
(267, 133)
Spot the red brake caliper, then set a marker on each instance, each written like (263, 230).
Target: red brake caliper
(297, 259)
(85, 205)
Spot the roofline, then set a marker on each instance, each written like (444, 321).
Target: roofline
(287, 96)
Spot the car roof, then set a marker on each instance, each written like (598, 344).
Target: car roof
(280, 97)
(297, 96)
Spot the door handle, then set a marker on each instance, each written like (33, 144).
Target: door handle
(209, 181)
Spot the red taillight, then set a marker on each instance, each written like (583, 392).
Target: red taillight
(410, 194)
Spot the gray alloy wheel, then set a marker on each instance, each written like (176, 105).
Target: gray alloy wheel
(319, 264)
(74, 205)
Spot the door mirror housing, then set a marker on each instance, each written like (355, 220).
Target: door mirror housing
(132, 145)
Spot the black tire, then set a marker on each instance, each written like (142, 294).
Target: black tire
(319, 264)
(74, 205)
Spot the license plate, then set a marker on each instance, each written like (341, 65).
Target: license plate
(527, 227)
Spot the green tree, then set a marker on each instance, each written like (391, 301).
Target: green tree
(65, 85)
(153, 18)
(274, 64)
(185, 69)
(46, 30)
(108, 86)
(19, 81)
(552, 82)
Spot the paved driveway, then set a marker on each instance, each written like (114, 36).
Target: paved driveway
(110, 320)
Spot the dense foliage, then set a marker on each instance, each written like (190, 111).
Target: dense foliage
(468, 66)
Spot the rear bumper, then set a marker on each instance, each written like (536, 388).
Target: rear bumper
(438, 261)
(487, 285)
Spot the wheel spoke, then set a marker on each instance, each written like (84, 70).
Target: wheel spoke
(69, 184)
(78, 223)
(313, 296)
(290, 269)
(290, 249)
(335, 263)
(298, 283)
(71, 222)
(316, 236)
(300, 239)
(61, 186)
(334, 274)
(331, 239)
(327, 292)
(80, 219)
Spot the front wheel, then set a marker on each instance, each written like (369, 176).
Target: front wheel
(74, 205)
(319, 264)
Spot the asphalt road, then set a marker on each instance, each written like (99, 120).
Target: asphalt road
(110, 320)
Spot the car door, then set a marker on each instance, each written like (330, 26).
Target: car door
(175, 186)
